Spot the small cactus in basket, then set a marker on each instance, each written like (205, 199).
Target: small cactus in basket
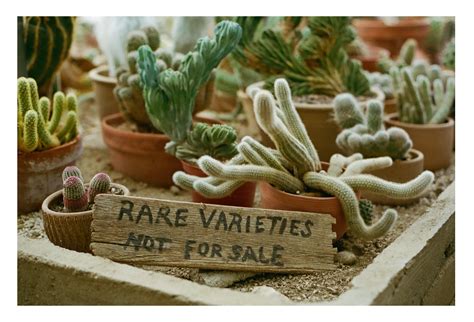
(43, 126)
(294, 167)
(365, 133)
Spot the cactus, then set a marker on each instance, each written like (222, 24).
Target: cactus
(38, 124)
(422, 101)
(405, 57)
(449, 53)
(100, 183)
(47, 42)
(170, 95)
(74, 195)
(72, 171)
(292, 168)
(366, 134)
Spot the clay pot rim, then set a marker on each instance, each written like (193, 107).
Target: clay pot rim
(402, 23)
(46, 202)
(320, 106)
(416, 156)
(97, 75)
(392, 119)
(76, 140)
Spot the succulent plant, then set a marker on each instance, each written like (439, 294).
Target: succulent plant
(423, 101)
(365, 133)
(100, 183)
(170, 95)
(382, 82)
(295, 167)
(405, 57)
(449, 52)
(39, 125)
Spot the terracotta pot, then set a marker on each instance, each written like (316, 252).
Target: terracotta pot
(401, 171)
(369, 62)
(390, 106)
(141, 156)
(435, 141)
(317, 118)
(104, 85)
(39, 173)
(70, 230)
(391, 37)
(272, 198)
(241, 197)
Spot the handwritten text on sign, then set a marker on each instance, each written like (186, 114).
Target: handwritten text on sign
(171, 233)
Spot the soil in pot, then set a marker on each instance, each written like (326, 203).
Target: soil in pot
(104, 85)
(435, 141)
(241, 197)
(401, 171)
(71, 230)
(39, 173)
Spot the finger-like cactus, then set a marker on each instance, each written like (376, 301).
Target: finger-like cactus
(366, 133)
(74, 195)
(405, 57)
(100, 183)
(39, 128)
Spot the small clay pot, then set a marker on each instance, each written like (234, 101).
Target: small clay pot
(400, 171)
(391, 37)
(369, 61)
(141, 156)
(39, 173)
(435, 141)
(71, 230)
(241, 197)
(104, 85)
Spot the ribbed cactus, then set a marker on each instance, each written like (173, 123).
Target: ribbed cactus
(295, 168)
(366, 134)
(72, 171)
(422, 101)
(170, 95)
(218, 141)
(100, 183)
(40, 127)
(47, 42)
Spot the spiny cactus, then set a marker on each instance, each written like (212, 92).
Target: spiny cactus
(39, 125)
(366, 134)
(383, 82)
(170, 95)
(100, 183)
(449, 52)
(295, 167)
(215, 140)
(72, 171)
(422, 101)
(47, 42)
(405, 57)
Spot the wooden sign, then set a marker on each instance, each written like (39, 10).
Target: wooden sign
(184, 234)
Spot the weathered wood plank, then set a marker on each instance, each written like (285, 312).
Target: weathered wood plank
(158, 232)
(442, 290)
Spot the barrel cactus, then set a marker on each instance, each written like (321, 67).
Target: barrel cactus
(365, 132)
(40, 125)
(294, 167)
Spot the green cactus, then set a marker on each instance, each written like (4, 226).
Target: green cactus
(39, 128)
(366, 134)
(405, 57)
(382, 82)
(170, 95)
(449, 52)
(74, 195)
(100, 183)
(298, 175)
(366, 211)
(422, 101)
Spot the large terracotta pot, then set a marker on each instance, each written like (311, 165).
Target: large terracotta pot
(401, 171)
(39, 173)
(141, 156)
(317, 118)
(391, 37)
(104, 85)
(71, 230)
(369, 61)
(435, 141)
(241, 197)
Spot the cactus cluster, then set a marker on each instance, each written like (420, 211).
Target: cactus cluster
(169, 94)
(382, 82)
(294, 167)
(47, 42)
(40, 125)
(217, 141)
(421, 100)
(365, 133)
(78, 197)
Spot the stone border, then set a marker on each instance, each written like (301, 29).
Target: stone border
(417, 268)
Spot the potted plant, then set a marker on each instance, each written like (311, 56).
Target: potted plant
(368, 55)
(311, 54)
(423, 112)
(294, 178)
(67, 213)
(48, 141)
(365, 133)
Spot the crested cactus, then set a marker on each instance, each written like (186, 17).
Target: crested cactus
(294, 169)
(366, 134)
(422, 101)
(39, 124)
(170, 95)
(100, 183)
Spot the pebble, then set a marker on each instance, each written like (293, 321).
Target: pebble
(358, 250)
(175, 190)
(347, 258)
